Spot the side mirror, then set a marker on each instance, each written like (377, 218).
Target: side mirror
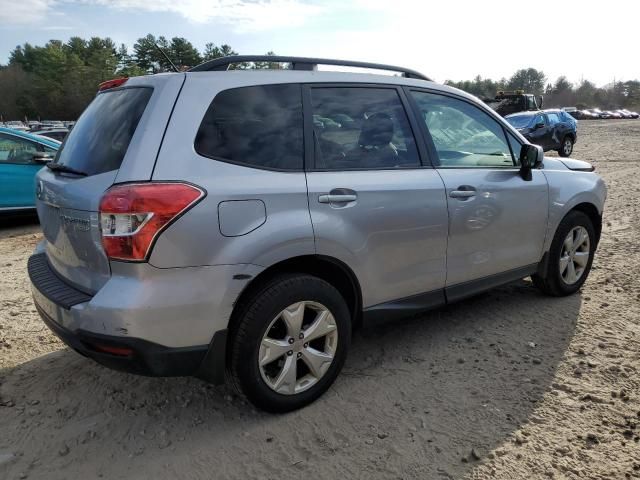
(539, 101)
(42, 157)
(538, 126)
(531, 157)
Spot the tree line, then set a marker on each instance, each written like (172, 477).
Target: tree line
(560, 93)
(58, 80)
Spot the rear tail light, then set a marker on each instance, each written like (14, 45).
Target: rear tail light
(133, 215)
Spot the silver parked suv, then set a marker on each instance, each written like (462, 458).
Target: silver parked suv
(244, 221)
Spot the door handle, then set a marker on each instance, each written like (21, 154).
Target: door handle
(337, 198)
(463, 191)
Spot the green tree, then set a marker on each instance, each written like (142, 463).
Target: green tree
(212, 51)
(183, 54)
(145, 53)
(528, 79)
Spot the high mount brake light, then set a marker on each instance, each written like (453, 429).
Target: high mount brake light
(133, 215)
(116, 82)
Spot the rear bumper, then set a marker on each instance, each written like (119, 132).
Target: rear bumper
(145, 320)
(145, 358)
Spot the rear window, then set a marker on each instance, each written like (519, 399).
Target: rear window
(520, 121)
(258, 126)
(101, 136)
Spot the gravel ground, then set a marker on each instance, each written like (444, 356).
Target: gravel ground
(509, 384)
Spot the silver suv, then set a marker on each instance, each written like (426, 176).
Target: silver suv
(245, 221)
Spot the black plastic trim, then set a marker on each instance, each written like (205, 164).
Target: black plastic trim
(301, 63)
(468, 289)
(51, 286)
(212, 368)
(404, 307)
(408, 306)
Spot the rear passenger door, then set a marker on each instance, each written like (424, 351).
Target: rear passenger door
(497, 220)
(373, 203)
(542, 135)
(555, 131)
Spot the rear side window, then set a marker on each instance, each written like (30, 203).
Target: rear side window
(361, 128)
(101, 136)
(553, 118)
(259, 126)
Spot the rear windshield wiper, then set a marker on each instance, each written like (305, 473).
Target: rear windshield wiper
(58, 167)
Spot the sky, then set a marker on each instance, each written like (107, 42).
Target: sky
(450, 39)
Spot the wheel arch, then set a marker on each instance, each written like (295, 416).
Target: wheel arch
(591, 211)
(330, 269)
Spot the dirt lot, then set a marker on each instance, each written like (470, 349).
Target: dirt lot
(510, 384)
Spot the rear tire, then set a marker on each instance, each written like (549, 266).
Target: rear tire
(566, 147)
(569, 260)
(279, 360)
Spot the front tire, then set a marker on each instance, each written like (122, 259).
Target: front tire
(566, 147)
(290, 342)
(569, 260)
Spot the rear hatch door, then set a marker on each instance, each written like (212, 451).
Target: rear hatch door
(115, 140)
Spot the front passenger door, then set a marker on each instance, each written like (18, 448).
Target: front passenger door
(497, 220)
(17, 172)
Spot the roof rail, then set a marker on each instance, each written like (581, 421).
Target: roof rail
(299, 63)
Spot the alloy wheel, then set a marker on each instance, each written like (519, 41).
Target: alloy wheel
(568, 146)
(298, 347)
(574, 255)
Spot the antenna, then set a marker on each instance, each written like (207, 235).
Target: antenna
(175, 69)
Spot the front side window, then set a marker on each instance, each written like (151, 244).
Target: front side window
(464, 136)
(259, 126)
(540, 120)
(361, 128)
(17, 150)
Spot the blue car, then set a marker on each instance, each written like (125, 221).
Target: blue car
(21, 156)
(552, 129)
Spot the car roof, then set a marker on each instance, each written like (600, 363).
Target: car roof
(526, 113)
(245, 78)
(50, 130)
(49, 142)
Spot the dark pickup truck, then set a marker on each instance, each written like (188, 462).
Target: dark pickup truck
(506, 103)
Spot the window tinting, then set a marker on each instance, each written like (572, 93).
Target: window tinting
(361, 128)
(100, 139)
(17, 150)
(258, 126)
(464, 136)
